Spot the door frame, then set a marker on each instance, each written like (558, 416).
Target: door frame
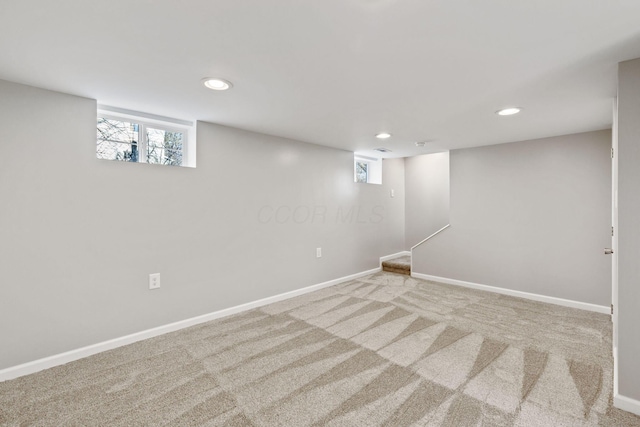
(614, 242)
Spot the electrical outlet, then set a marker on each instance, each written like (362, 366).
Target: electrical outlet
(318, 252)
(154, 281)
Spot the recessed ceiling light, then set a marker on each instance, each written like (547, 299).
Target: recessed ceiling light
(383, 150)
(215, 83)
(508, 111)
(383, 135)
(420, 144)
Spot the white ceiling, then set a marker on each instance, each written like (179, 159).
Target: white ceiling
(336, 72)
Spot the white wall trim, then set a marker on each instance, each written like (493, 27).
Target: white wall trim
(626, 404)
(615, 370)
(514, 293)
(70, 356)
(137, 114)
(392, 256)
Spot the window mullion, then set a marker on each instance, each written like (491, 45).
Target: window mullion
(142, 142)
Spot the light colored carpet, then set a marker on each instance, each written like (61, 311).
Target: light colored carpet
(383, 350)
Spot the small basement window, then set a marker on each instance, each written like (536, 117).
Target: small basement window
(362, 171)
(367, 170)
(129, 136)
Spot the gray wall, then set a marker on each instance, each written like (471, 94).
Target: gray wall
(427, 196)
(629, 229)
(531, 216)
(79, 236)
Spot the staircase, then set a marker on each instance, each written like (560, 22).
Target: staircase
(401, 265)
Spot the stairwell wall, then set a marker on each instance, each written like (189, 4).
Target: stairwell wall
(530, 216)
(427, 196)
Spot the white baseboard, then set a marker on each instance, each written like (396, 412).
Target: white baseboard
(392, 256)
(70, 356)
(520, 294)
(626, 404)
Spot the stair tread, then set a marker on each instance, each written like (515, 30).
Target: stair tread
(400, 263)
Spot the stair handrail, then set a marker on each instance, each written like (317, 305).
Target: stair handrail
(433, 235)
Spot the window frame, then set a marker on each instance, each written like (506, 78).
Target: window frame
(374, 169)
(144, 121)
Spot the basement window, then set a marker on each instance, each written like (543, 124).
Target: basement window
(362, 171)
(130, 136)
(367, 170)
